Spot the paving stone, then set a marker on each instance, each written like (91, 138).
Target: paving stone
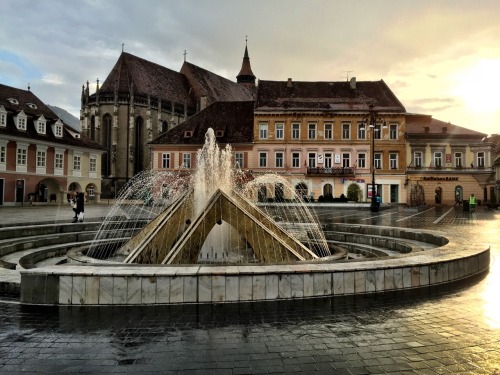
(440, 330)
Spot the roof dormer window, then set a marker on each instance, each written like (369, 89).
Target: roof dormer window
(3, 117)
(57, 129)
(41, 125)
(32, 105)
(13, 101)
(21, 120)
(188, 134)
(219, 133)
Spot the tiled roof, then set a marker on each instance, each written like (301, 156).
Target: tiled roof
(148, 78)
(213, 86)
(25, 97)
(235, 119)
(418, 125)
(334, 96)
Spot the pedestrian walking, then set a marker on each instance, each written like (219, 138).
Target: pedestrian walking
(79, 207)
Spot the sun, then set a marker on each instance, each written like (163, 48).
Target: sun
(478, 86)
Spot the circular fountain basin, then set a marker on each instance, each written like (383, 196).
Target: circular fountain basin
(101, 283)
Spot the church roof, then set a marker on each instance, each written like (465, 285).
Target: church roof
(213, 86)
(233, 119)
(334, 96)
(148, 78)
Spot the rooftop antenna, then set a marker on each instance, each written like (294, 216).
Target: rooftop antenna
(123, 45)
(185, 53)
(347, 74)
(28, 86)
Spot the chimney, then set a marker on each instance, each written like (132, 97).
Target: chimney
(353, 83)
(289, 83)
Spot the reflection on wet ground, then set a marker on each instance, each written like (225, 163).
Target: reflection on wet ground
(451, 329)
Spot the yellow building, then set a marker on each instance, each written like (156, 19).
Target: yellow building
(328, 136)
(446, 162)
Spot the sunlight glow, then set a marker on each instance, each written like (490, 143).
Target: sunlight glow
(478, 86)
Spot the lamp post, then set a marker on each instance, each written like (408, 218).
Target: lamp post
(374, 206)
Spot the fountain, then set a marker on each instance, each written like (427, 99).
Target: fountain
(211, 216)
(221, 235)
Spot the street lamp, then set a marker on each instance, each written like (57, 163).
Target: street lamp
(374, 207)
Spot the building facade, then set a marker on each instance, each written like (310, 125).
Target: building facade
(140, 100)
(332, 138)
(446, 162)
(42, 159)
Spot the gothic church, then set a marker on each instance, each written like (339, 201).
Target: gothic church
(139, 100)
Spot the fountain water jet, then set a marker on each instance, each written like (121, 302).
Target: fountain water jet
(210, 216)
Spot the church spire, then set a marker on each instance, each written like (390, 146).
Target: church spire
(246, 76)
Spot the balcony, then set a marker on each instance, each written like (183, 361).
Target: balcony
(336, 172)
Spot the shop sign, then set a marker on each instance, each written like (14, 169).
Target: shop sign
(440, 178)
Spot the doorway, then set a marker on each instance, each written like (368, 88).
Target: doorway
(438, 194)
(394, 193)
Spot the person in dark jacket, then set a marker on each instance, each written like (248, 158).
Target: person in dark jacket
(79, 210)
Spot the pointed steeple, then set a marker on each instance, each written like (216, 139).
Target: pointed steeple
(246, 76)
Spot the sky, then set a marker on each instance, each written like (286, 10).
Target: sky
(439, 57)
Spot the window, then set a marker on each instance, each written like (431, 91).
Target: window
(438, 159)
(361, 161)
(393, 131)
(3, 116)
(480, 159)
(328, 160)
(279, 131)
(378, 161)
(377, 131)
(295, 131)
(279, 160)
(58, 130)
(41, 127)
(165, 161)
(92, 164)
(346, 160)
(458, 159)
(263, 131)
(295, 160)
(186, 160)
(417, 159)
(311, 160)
(3, 155)
(21, 156)
(393, 160)
(239, 160)
(77, 162)
(41, 157)
(346, 131)
(361, 131)
(263, 159)
(328, 131)
(59, 160)
(21, 121)
(311, 131)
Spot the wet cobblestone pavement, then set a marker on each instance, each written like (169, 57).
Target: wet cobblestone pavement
(453, 329)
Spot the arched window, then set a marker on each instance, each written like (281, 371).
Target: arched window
(164, 126)
(92, 128)
(138, 146)
(107, 143)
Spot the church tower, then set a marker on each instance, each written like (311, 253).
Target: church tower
(246, 76)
